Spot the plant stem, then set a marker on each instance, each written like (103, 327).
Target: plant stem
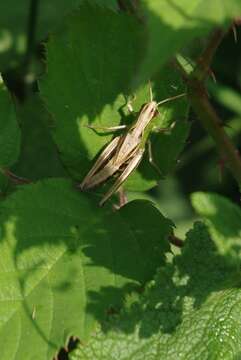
(14, 178)
(31, 34)
(202, 69)
(129, 6)
(213, 125)
(202, 107)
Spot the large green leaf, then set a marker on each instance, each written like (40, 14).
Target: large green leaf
(9, 130)
(96, 72)
(191, 311)
(14, 18)
(96, 66)
(64, 262)
(39, 156)
(172, 24)
(223, 219)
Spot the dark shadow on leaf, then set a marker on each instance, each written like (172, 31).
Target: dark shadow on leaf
(98, 90)
(70, 232)
(101, 304)
(224, 218)
(194, 275)
(98, 70)
(62, 245)
(39, 157)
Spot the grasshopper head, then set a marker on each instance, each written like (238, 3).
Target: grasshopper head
(150, 109)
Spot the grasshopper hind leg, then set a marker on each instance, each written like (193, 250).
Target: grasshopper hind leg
(104, 156)
(132, 165)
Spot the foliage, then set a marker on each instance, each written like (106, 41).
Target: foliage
(10, 133)
(41, 278)
(191, 309)
(117, 278)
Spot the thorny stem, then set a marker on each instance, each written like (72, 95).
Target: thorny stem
(212, 123)
(202, 69)
(207, 115)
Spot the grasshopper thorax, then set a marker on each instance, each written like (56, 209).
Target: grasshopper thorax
(150, 109)
(147, 113)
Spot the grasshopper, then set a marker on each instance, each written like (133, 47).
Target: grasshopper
(124, 153)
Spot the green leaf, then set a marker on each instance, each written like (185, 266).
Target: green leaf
(227, 97)
(96, 70)
(92, 90)
(65, 262)
(14, 18)
(192, 310)
(9, 130)
(171, 25)
(39, 156)
(223, 219)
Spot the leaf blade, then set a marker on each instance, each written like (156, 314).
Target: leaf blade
(58, 250)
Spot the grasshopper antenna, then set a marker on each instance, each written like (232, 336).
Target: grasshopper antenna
(150, 89)
(171, 98)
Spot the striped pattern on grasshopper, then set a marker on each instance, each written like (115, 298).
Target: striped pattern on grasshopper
(124, 153)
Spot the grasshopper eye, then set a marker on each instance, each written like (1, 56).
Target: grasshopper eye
(156, 113)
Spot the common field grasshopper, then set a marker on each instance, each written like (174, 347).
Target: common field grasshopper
(124, 153)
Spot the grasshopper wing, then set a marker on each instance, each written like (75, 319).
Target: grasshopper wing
(132, 165)
(104, 156)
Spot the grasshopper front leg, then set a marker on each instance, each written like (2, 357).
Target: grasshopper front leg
(151, 160)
